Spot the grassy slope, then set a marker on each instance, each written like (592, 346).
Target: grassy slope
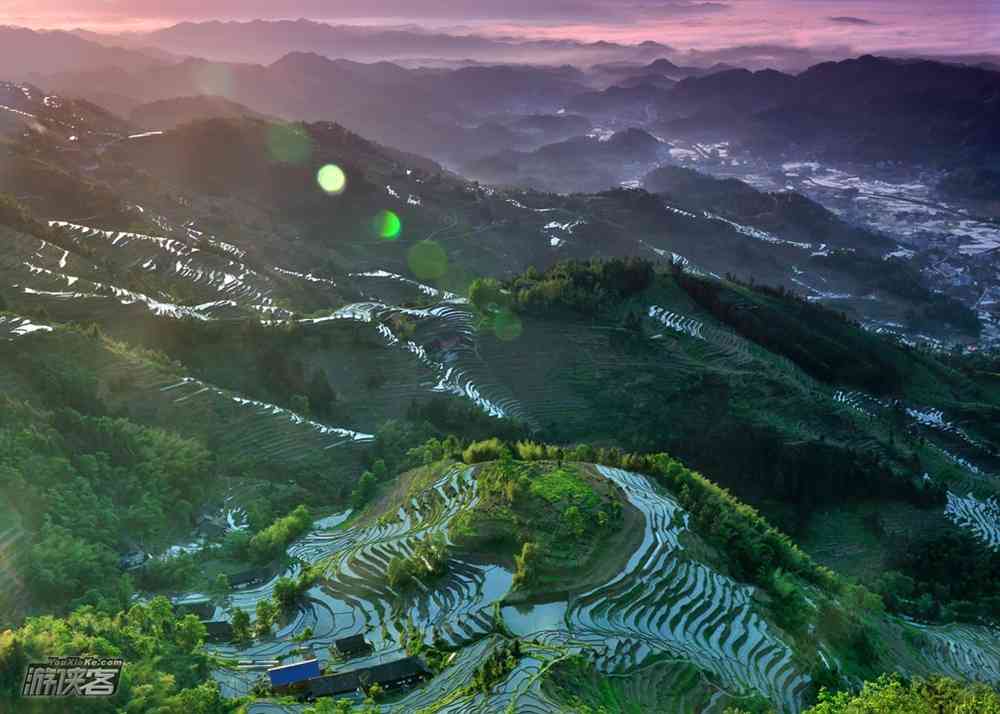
(581, 524)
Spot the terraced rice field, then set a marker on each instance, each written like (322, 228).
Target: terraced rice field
(664, 622)
(665, 603)
(661, 607)
(666, 687)
(963, 651)
(677, 323)
(444, 343)
(72, 287)
(355, 598)
(388, 286)
(217, 275)
(192, 275)
(12, 327)
(981, 517)
(244, 425)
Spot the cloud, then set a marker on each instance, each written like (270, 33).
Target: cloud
(956, 26)
(849, 20)
(758, 56)
(426, 11)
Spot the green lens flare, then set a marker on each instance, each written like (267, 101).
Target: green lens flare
(507, 326)
(332, 179)
(387, 225)
(427, 260)
(289, 144)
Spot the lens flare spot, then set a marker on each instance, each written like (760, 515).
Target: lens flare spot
(427, 260)
(214, 79)
(507, 326)
(289, 144)
(332, 179)
(387, 225)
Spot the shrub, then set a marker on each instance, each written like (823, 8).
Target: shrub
(892, 695)
(526, 564)
(489, 450)
(364, 491)
(271, 541)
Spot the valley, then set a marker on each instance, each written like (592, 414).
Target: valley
(622, 387)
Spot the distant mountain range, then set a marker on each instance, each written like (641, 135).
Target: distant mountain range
(582, 163)
(870, 108)
(428, 111)
(31, 53)
(264, 41)
(24, 53)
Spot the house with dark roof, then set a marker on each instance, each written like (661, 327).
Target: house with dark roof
(400, 673)
(218, 630)
(353, 646)
(331, 685)
(202, 609)
(254, 576)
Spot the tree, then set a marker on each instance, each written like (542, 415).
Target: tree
(890, 694)
(190, 633)
(166, 669)
(300, 405)
(330, 706)
(268, 543)
(286, 592)
(487, 295)
(526, 564)
(574, 521)
(267, 613)
(64, 566)
(13, 660)
(790, 606)
(206, 698)
(219, 589)
(375, 692)
(241, 625)
(398, 573)
(160, 614)
(320, 393)
(364, 491)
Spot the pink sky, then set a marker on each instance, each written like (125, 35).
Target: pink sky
(951, 27)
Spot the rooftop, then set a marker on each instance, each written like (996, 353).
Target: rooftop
(354, 643)
(385, 674)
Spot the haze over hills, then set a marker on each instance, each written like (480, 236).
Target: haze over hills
(169, 113)
(756, 108)
(265, 41)
(27, 52)
(875, 157)
(544, 375)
